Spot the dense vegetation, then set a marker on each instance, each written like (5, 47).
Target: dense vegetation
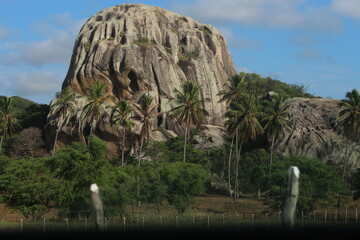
(33, 180)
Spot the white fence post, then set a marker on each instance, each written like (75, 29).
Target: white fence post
(67, 223)
(98, 207)
(208, 222)
(356, 215)
(21, 225)
(291, 197)
(325, 215)
(124, 223)
(85, 224)
(335, 215)
(346, 215)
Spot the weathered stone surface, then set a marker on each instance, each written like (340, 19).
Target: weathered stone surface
(314, 132)
(135, 48)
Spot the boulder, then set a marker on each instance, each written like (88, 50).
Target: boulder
(135, 48)
(314, 133)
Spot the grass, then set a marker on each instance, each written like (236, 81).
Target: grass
(209, 213)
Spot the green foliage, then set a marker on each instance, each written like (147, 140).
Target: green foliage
(254, 165)
(21, 104)
(357, 184)
(144, 42)
(171, 150)
(34, 116)
(183, 181)
(78, 167)
(320, 185)
(188, 56)
(260, 86)
(26, 185)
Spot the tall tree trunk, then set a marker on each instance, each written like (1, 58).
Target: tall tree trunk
(1, 143)
(237, 168)
(138, 176)
(123, 148)
(91, 131)
(345, 157)
(271, 152)
(229, 166)
(55, 140)
(186, 133)
(236, 164)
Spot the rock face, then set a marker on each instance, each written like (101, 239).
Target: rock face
(135, 48)
(314, 133)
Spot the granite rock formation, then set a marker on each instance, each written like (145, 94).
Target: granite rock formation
(135, 48)
(314, 133)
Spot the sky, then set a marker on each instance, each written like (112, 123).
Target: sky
(314, 43)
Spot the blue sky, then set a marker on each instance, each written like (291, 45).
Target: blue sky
(305, 42)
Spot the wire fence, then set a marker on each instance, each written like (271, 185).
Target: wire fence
(333, 217)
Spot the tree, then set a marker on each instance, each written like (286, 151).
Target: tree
(243, 119)
(146, 111)
(320, 184)
(8, 118)
(94, 109)
(276, 120)
(189, 108)
(120, 117)
(63, 107)
(28, 141)
(234, 90)
(349, 120)
(183, 181)
(77, 167)
(26, 185)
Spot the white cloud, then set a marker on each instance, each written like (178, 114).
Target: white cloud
(350, 8)
(30, 84)
(289, 14)
(243, 42)
(55, 47)
(226, 32)
(3, 32)
(314, 55)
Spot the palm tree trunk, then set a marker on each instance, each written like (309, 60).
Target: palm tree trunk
(186, 133)
(229, 166)
(237, 168)
(91, 131)
(123, 149)
(345, 158)
(1, 143)
(271, 152)
(55, 140)
(236, 164)
(138, 176)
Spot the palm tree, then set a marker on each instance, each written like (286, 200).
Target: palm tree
(120, 117)
(189, 108)
(8, 119)
(146, 111)
(243, 119)
(276, 120)
(63, 107)
(94, 109)
(235, 90)
(349, 119)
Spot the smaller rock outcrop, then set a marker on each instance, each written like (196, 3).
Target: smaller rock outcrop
(314, 133)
